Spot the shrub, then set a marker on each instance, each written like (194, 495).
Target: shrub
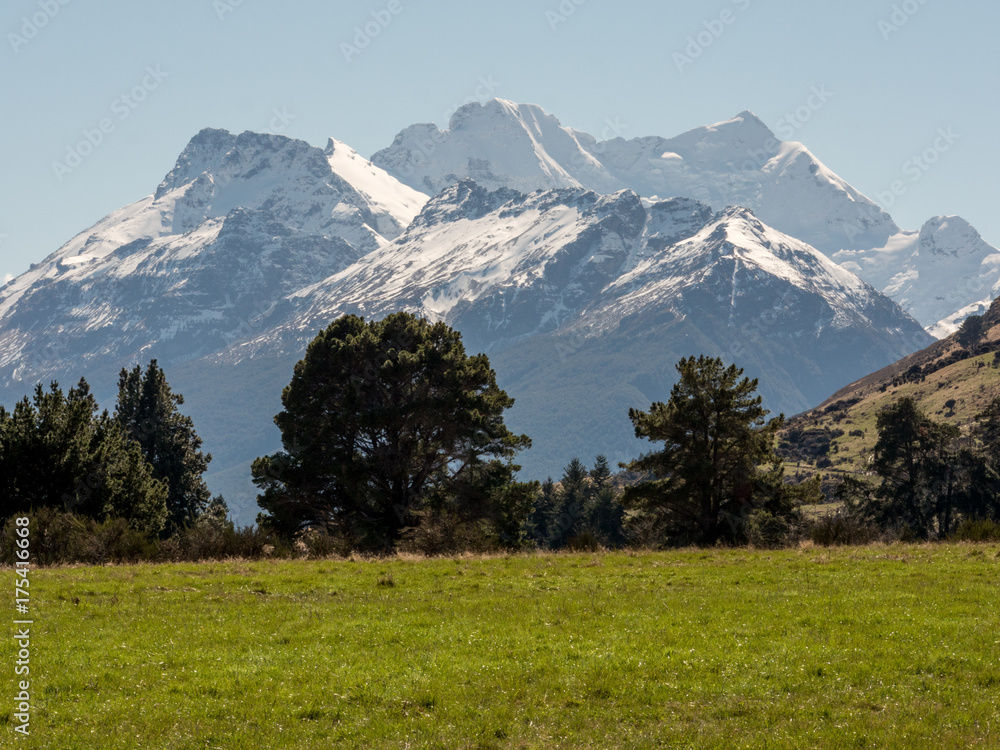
(444, 533)
(585, 541)
(766, 530)
(977, 530)
(210, 542)
(841, 529)
(317, 543)
(58, 537)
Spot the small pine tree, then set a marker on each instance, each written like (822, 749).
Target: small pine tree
(544, 507)
(566, 519)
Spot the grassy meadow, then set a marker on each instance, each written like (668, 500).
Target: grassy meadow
(880, 647)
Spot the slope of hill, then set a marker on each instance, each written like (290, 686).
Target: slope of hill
(952, 382)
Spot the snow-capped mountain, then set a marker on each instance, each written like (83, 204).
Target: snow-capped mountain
(584, 299)
(237, 225)
(501, 265)
(736, 162)
(940, 275)
(585, 302)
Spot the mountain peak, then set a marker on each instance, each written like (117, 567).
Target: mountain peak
(952, 236)
(494, 109)
(743, 134)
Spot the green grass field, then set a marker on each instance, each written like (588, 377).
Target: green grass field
(881, 647)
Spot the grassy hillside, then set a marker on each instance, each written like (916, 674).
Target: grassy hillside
(866, 647)
(950, 382)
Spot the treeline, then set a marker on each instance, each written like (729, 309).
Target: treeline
(927, 479)
(104, 485)
(394, 440)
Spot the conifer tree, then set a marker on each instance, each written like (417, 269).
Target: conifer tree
(604, 512)
(566, 519)
(380, 418)
(147, 408)
(56, 451)
(709, 475)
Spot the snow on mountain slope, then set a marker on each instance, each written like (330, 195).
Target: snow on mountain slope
(387, 196)
(750, 272)
(940, 275)
(502, 266)
(736, 162)
(239, 223)
(497, 264)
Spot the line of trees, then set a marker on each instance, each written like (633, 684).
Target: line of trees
(926, 478)
(142, 464)
(394, 438)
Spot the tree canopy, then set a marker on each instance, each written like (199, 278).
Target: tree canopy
(381, 418)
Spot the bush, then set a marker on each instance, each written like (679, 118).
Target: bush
(318, 543)
(977, 530)
(445, 533)
(841, 529)
(58, 538)
(766, 530)
(210, 542)
(585, 541)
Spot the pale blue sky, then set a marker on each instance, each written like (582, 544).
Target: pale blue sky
(256, 65)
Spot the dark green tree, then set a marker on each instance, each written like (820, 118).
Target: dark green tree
(981, 496)
(919, 470)
(604, 513)
(542, 511)
(717, 463)
(147, 409)
(488, 502)
(566, 519)
(971, 332)
(56, 451)
(379, 418)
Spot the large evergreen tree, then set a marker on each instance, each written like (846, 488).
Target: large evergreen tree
(379, 418)
(148, 410)
(709, 475)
